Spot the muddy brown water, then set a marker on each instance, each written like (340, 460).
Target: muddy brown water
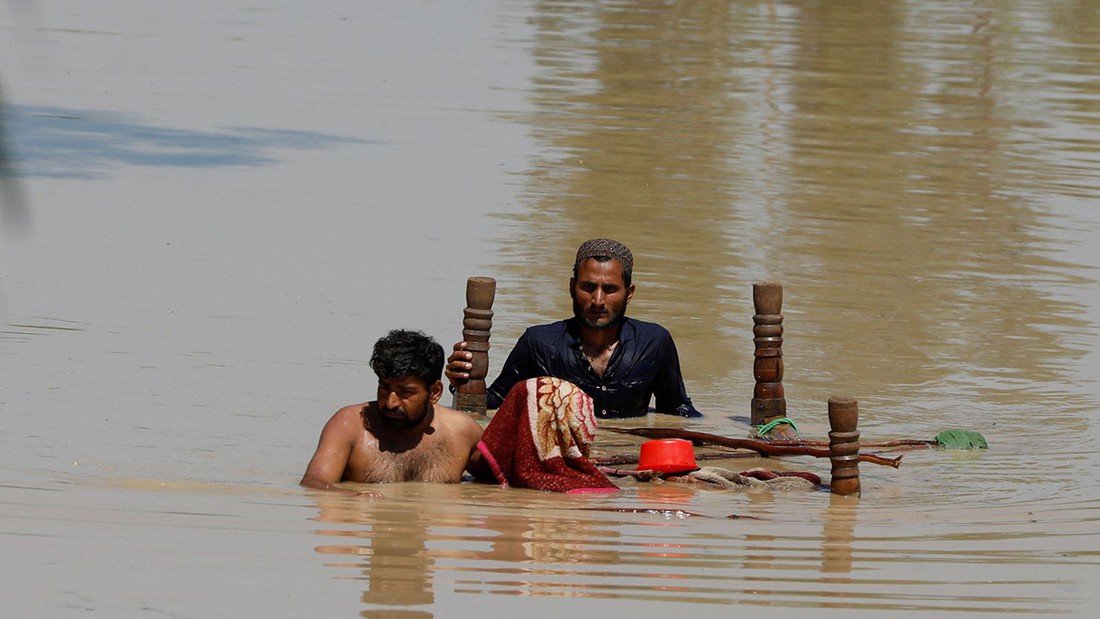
(211, 212)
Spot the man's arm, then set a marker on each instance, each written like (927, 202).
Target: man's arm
(669, 392)
(326, 469)
(468, 433)
(475, 463)
(517, 368)
(459, 363)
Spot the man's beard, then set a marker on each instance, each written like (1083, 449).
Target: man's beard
(613, 321)
(404, 423)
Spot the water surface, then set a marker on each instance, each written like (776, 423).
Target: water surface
(210, 214)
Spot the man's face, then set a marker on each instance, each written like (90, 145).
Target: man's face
(600, 294)
(405, 402)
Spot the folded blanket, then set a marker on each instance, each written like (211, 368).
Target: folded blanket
(539, 439)
(754, 479)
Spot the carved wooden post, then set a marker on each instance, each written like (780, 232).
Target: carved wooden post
(476, 329)
(844, 445)
(768, 402)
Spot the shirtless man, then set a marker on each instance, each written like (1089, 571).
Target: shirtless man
(404, 435)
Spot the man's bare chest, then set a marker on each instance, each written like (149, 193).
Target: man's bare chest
(428, 461)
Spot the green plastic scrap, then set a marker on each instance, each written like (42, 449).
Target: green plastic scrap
(768, 427)
(961, 439)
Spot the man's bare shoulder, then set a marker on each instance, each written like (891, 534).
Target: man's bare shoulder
(355, 409)
(349, 418)
(458, 421)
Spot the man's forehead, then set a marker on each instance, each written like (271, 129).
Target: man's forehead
(410, 381)
(592, 270)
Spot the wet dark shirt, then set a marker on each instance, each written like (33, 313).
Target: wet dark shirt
(643, 365)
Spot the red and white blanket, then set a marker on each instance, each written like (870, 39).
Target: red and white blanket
(539, 438)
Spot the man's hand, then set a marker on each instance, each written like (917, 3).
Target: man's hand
(364, 494)
(459, 365)
(310, 481)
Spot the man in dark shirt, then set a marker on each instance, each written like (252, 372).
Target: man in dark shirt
(620, 362)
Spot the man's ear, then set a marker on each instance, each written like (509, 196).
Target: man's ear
(630, 293)
(435, 392)
(572, 288)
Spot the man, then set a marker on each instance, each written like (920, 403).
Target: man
(620, 362)
(404, 435)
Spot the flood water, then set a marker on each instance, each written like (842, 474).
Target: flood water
(211, 210)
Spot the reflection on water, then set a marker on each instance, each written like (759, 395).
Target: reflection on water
(633, 102)
(880, 161)
(408, 548)
(871, 170)
(396, 563)
(929, 247)
(444, 544)
(837, 534)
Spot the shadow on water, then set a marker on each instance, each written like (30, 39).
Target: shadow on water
(57, 142)
(13, 204)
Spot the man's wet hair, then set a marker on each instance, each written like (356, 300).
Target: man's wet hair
(602, 250)
(402, 353)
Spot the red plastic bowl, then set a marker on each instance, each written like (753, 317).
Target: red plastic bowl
(667, 455)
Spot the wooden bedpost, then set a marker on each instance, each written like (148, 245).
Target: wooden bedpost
(844, 445)
(477, 325)
(768, 402)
